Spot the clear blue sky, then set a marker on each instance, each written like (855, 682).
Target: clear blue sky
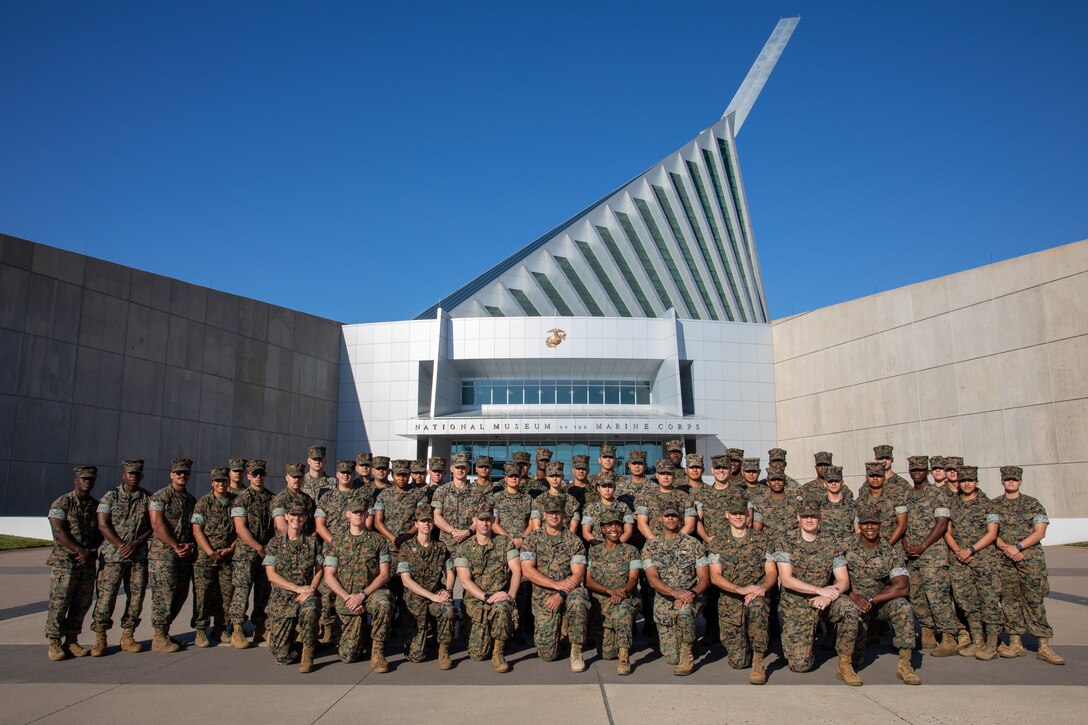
(360, 160)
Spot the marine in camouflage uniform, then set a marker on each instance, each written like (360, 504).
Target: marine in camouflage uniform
(75, 548)
(776, 460)
(294, 494)
(427, 564)
(212, 588)
(710, 501)
(297, 559)
(330, 520)
(628, 488)
(677, 568)
(838, 509)
(394, 510)
(654, 500)
(580, 486)
(614, 568)
(315, 482)
(754, 488)
(172, 552)
(252, 512)
(512, 508)
(590, 520)
(893, 482)
(776, 512)
(607, 461)
(892, 505)
(125, 513)
(454, 503)
(555, 490)
(1024, 583)
(482, 480)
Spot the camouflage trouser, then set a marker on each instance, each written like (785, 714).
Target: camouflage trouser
(799, 622)
(549, 624)
(71, 589)
(489, 623)
(418, 615)
(897, 613)
(281, 630)
(212, 592)
(744, 629)
(931, 598)
(247, 572)
(964, 599)
(675, 626)
(354, 630)
(170, 581)
(1024, 586)
(132, 575)
(329, 617)
(614, 624)
(976, 589)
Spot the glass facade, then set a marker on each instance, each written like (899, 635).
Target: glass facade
(602, 277)
(682, 244)
(640, 252)
(526, 304)
(719, 193)
(704, 202)
(503, 453)
(579, 287)
(625, 270)
(475, 393)
(693, 220)
(561, 305)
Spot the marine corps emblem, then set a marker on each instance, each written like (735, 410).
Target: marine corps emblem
(555, 336)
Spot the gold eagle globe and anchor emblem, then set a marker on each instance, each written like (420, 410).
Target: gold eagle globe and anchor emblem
(555, 337)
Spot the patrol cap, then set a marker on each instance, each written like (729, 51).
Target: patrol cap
(256, 465)
(345, 466)
(918, 463)
(809, 506)
(220, 474)
(90, 472)
(363, 459)
(749, 465)
(953, 461)
(134, 465)
(237, 464)
(833, 473)
(608, 450)
(483, 511)
(580, 462)
(609, 480)
(486, 461)
(874, 468)
(296, 470)
(693, 460)
(543, 454)
(735, 454)
(936, 462)
(298, 509)
(356, 502)
(402, 467)
(868, 514)
(736, 501)
(554, 504)
(670, 510)
(823, 458)
(967, 473)
(424, 513)
(665, 466)
(611, 516)
(181, 465)
(380, 462)
(720, 462)
(1012, 473)
(776, 454)
(636, 457)
(418, 466)
(775, 474)
(511, 469)
(674, 445)
(436, 463)
(882, 451)
(522, 457)
(316, 452)
(554, 468)
(459, 460)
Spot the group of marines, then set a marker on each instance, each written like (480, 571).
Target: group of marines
(339, 559)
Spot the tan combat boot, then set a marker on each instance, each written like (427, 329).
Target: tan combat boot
(687, 661)
(238, 637)
(56, 651)
(498, 661)
(1013, 649)
(963, 639)
(904, 670)
(162, 643)
(1048, 655)
(326, 634)
(75, 648)
(377, 656)
(307, 664)
(846, 671)
(758, 675)
(128, 641)
(948, 646)
(988, 650)
(202, 638)
(99, 648)
(577, 664)
(624, 666)
(444, 661)
(972, 649)
(929, 641)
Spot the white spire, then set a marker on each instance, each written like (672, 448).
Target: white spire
(757, 76)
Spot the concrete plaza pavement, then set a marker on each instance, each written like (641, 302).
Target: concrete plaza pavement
(227, 685)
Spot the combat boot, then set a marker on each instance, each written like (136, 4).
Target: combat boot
(928, 640)
(260, 635)
(758, 675)
(687, 661)
(846, 671)
(56, 651)
(99, 648)
(975, 645)
(128, 641)
(444, 661)
(577, 664)
(377, 656)
(904, 670)
(307, 664)
(947, 648)
(988, 650)
(1013, 649)
(162, 643)
(75, 648)
(326, 635)
(238, 637)
(201, 639)
(498, 661)
(624, 666)
(1048, 655)
(963, 639)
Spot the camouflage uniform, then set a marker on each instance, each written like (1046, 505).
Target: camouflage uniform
(331, 508)
(654, 501)
(298, 562)
(427, 565)
(357, 561)
(676, 560)
(554, 556)
(316, 486)
(489, 566)
(71, 585)
(457, 505)
(837, 518)
(778, 515)
(129, 518)
(744, 629)
(171, 575)
(628, 491)
(889, 504)
(570, 506)
(871, 572)
(1024, 585)
(613, 624)
(976, 586)
(591, 516)
(814, 563)
(212, 587)
(287, 498)
(931, 589)
(398, 508)
(512, 511)
(710, 506)
(255, 506)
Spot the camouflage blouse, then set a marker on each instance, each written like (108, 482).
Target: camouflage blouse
(298, 562)
(871, 569)
(924, 506)
(357, 561)
(177, 511)
(129, 518)
(255, 506)
(611, 568)
(489, 564)
(676, 559)
(80, 513)
(213, 516)
(512, 510)
(813, 562)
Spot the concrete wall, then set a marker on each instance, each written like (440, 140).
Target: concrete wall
(100, 362)
(990, 364)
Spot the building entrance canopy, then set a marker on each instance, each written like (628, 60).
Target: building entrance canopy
(570, 427)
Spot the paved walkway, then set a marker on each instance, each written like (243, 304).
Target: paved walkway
(235, 686)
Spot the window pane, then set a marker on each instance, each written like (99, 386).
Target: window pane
(515, 394)
(580, 394)
(596, 392)
(468, 394)
(627, 393)
(642, 393)
(612, 392)
(547, 392)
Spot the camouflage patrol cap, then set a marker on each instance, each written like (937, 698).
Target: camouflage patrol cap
(485, 461)
(298, 509)
(918, 463)
(543, 454)
(735, 454)
(436, 463)
(720, 461)
(736, 501)
(237, 464)
(670, 510)
(749, 465)
(665, 466)
(554, 468)
(401, 467)
(693, 460)
(133, 465)
(611, 516)
(554, 504)
(882, 451)
(674, 445)
(953, 461)
(363, 459)
(823, 458)
(459, 460)
(424, 512)
(580, 462)
(220, 473)
(85, 471)
(1012, 473)
(809, 505)
(181, 465)
(511, 469)
(967, 473)
(296, 470)
(345, 466)
(316, 452)
(483, 511)
(636, 457)
(874, 468)
(379, 462)
(608, 478)
(356, 502)
(936, 462)
(776, 454)
(775, 474)
(608, 450)
(418, 466)
(868, 514)
(833, 473)
(256, 465)
(521, 457)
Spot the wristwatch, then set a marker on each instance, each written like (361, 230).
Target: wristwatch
(1019, 547)
(869, 599)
